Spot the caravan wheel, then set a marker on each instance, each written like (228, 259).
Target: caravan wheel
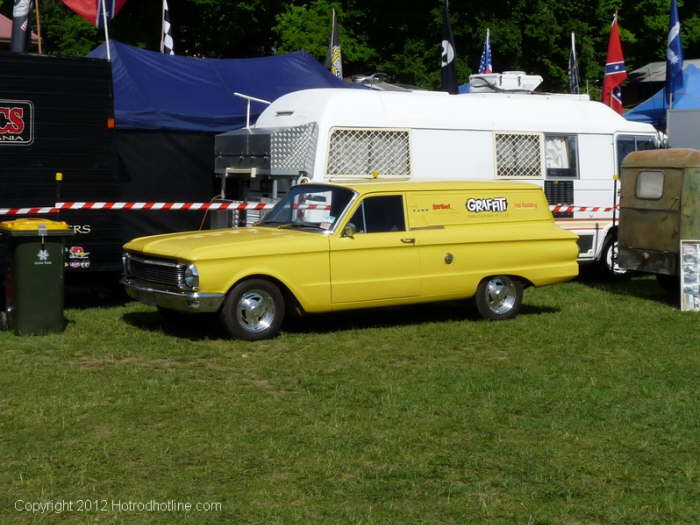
(609, 268)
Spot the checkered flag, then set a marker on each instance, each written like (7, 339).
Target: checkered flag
(166, 40)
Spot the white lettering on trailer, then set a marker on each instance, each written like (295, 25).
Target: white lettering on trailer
(498, 204)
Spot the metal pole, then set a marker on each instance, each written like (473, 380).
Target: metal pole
(59, 180)
(104, 21)
(613, 258)
(249, 99)
(38, 29)
(162, 32)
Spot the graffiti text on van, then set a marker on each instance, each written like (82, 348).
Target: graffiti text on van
(498, 204)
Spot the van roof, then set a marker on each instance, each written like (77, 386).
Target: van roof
(553, 113)
(391, 186)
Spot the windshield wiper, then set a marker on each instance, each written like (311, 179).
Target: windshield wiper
(299, 225)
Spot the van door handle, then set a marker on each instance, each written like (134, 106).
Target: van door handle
(408, 240)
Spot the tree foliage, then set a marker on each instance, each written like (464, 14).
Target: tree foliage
(394, 37)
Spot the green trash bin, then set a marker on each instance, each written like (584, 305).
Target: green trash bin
(34, 275)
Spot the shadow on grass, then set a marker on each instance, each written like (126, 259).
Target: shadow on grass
(397, 316)
(101, 290)
(206, 326)
(641, 286)
(195, 327)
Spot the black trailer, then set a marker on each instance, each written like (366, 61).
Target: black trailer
(57, 116)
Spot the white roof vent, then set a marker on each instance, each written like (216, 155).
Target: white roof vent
(508, 81)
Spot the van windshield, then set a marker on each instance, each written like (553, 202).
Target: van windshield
(314, 207)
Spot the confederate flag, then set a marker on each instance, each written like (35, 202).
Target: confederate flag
(615, 73)
(91, 10)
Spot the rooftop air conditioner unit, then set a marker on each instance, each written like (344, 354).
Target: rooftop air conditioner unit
(508, 81)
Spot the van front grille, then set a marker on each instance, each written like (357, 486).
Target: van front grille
(155, 270)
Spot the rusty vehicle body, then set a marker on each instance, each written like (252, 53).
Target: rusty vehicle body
(660, 206)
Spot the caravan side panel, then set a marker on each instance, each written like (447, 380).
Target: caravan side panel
(440, 154)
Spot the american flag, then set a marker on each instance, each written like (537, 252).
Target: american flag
(615, 72)
(485, 65)
(166, 39)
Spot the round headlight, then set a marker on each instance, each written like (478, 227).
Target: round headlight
(191, 278)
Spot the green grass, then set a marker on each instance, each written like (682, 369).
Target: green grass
(583, 410)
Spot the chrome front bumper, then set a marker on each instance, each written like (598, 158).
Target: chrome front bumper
(191, 302)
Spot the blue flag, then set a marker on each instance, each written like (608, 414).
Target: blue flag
(674, 54)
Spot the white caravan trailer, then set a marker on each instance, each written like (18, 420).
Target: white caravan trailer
(568, 144)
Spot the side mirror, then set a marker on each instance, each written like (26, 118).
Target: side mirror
(349, 231)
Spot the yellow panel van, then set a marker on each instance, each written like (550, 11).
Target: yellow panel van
(329, 247)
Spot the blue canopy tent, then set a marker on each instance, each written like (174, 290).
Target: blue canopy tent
(157, 91)
(168, 109)
(654, 109)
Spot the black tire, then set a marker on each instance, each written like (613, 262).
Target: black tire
(499, 297)
(607, 265)
(253, 310)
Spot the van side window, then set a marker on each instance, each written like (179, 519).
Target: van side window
(379, 214)
(626, 144)
(650, 185)
(561, 156)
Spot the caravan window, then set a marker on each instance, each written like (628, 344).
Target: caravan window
(369, 152)
(519, 155)
(561, 156)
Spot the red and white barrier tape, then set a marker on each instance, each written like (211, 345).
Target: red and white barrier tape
(566, 208)
(152, 206)
(28, 211)
(204, 206)
(164, 206)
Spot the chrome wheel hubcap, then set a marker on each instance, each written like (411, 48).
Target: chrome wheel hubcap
(501, 293)
(255, 310)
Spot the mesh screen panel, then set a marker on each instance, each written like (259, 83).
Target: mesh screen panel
(519, 155)
(358, 152)
(294, 148)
